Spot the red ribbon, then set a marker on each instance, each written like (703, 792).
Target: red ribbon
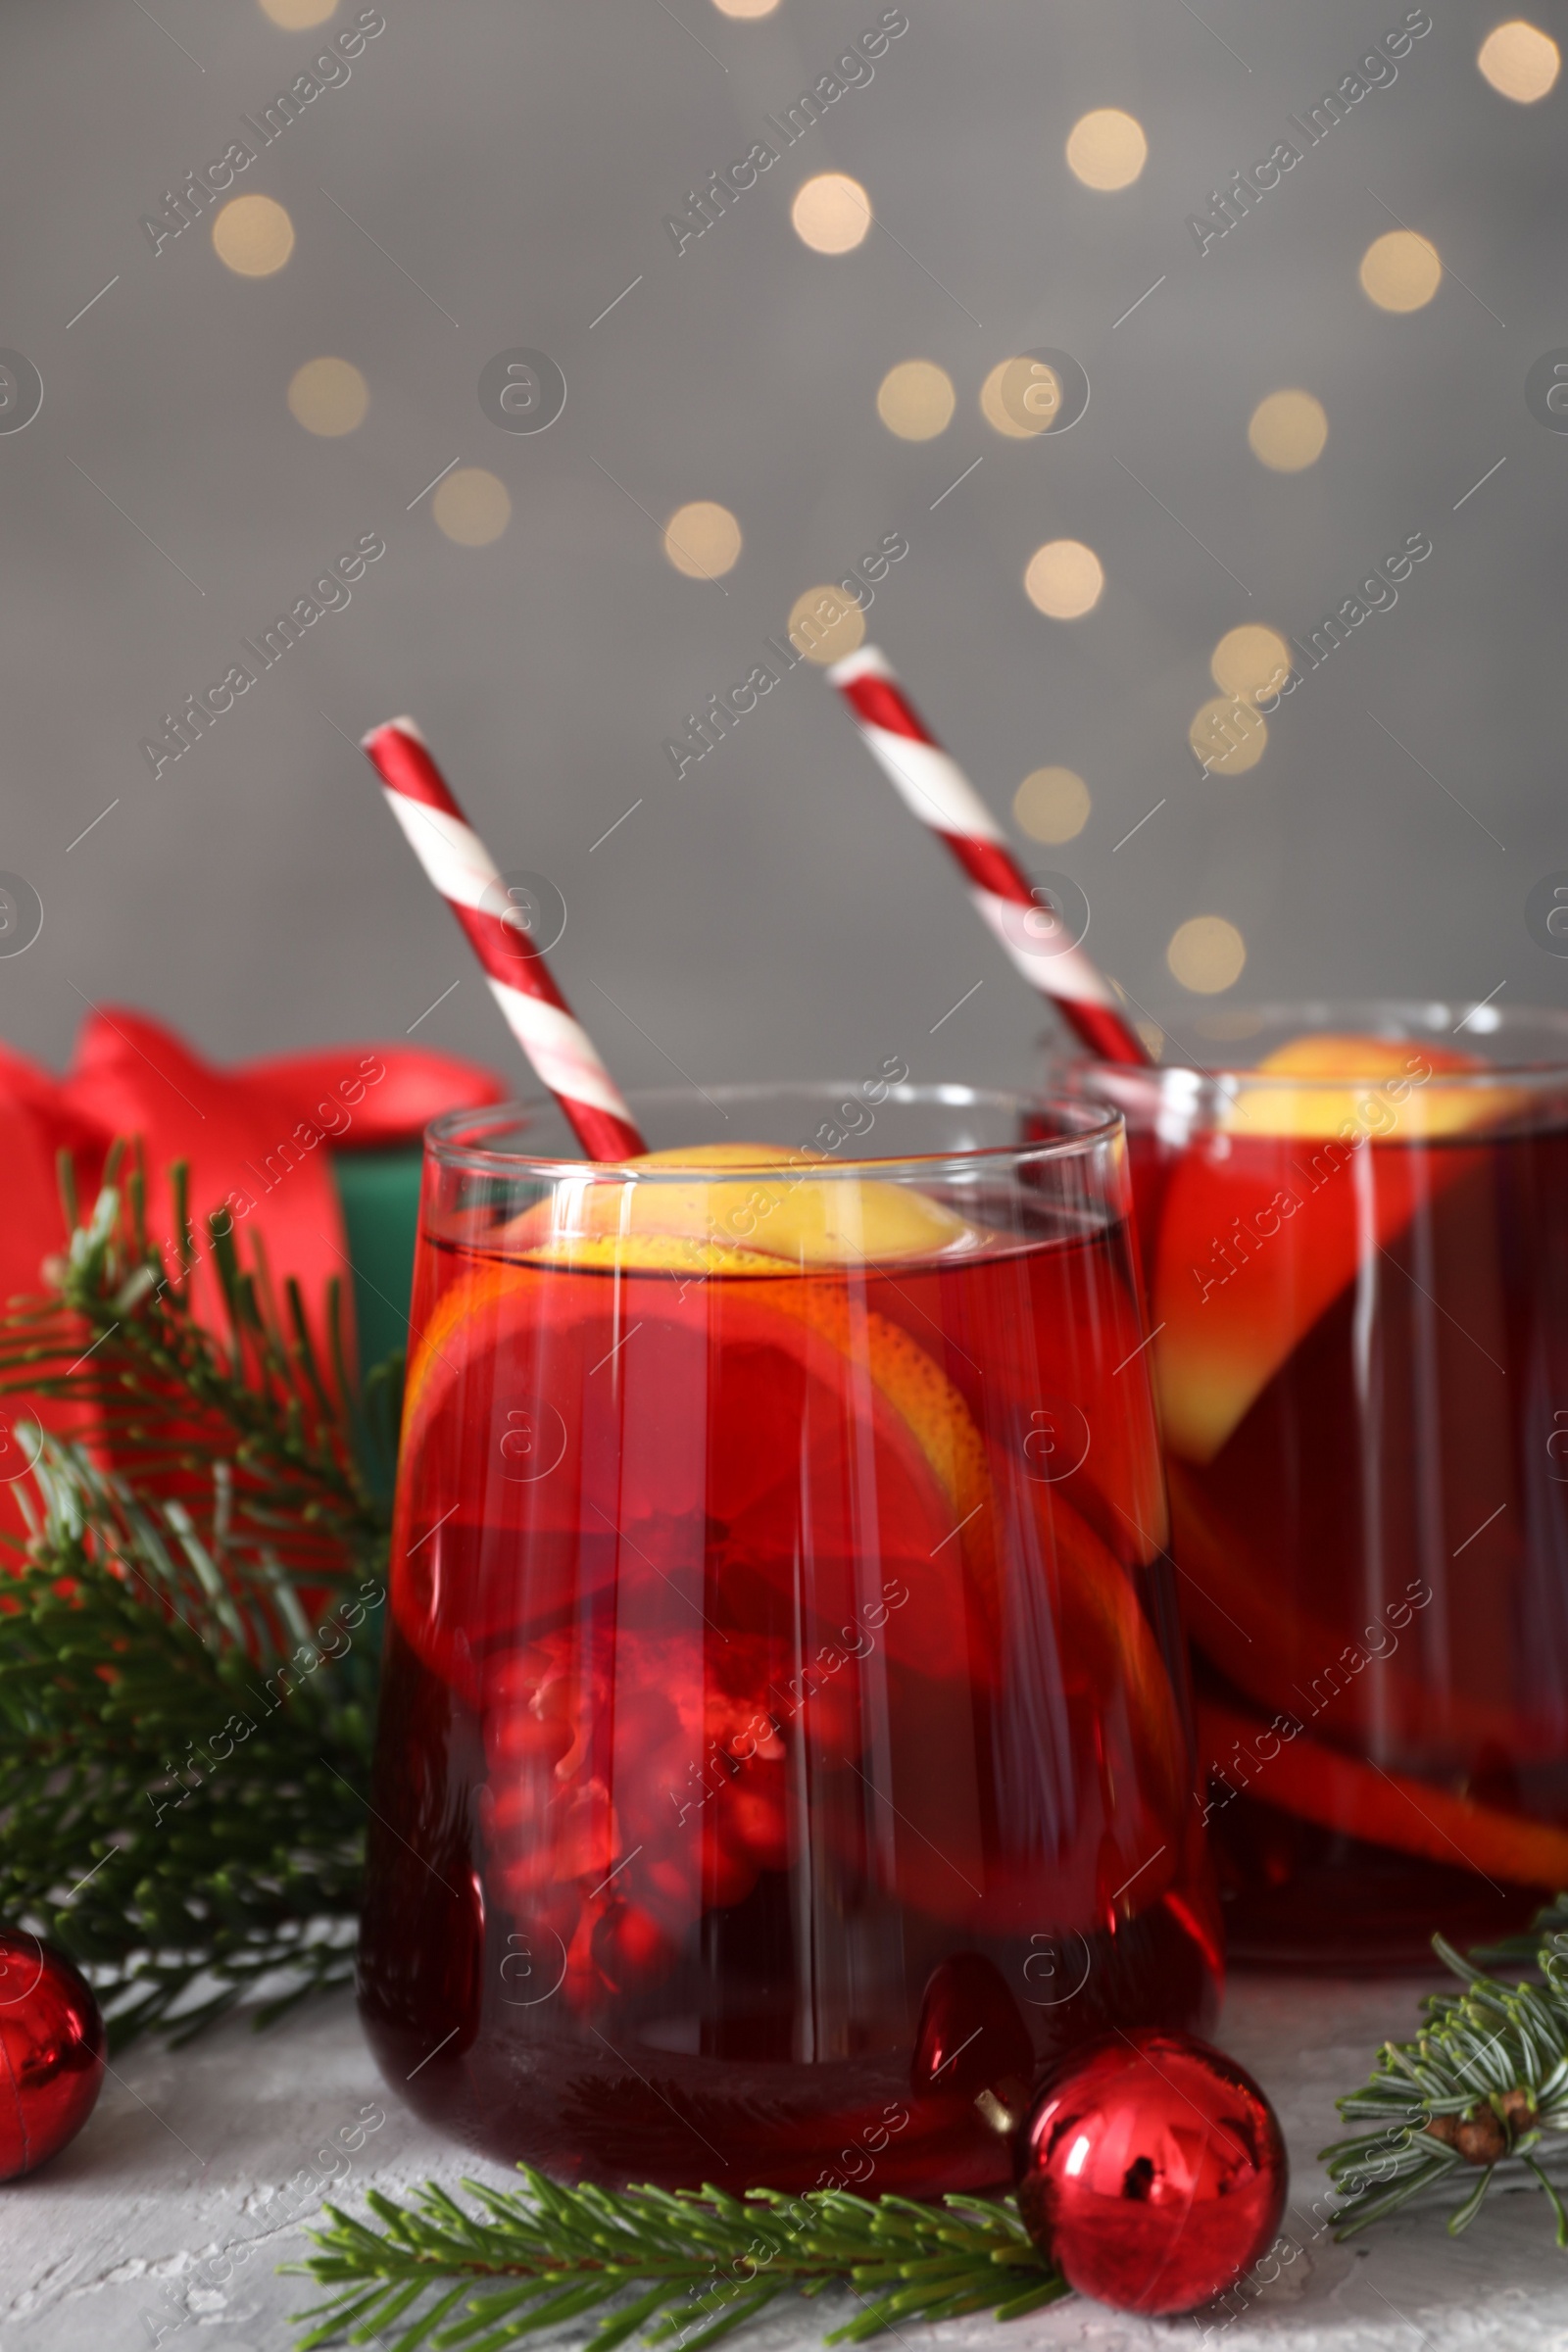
(258, 1139)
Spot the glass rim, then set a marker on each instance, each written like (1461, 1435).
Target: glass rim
(1411, 1019)
(1093, 1125)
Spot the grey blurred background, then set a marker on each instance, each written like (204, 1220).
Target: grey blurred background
(492, 174)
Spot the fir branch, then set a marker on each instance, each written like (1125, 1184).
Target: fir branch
(1479, 2095)
(705, 2263)
(188, 1646)
(181, 1756)
(119, 1340)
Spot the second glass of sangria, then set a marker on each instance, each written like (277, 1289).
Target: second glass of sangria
(1353, 1222)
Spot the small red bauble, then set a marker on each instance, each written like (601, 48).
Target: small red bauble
(1153, 2170)
(51, 2052)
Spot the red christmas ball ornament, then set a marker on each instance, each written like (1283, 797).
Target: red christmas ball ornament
(51, 2052)
(1153, 2170)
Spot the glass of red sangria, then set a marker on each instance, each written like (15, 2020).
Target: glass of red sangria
(785, 1746)
(1353, 1223)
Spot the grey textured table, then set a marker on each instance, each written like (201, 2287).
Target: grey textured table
(166, 2220)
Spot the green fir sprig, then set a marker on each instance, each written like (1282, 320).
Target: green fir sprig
(682, 2268)
(1479, 2097)
(188, 1636)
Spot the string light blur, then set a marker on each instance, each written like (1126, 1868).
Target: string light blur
(832, 213)
(253, 235)
(825, 625)
(297, 16)
(1228, 735)
(703, 540)
(1063, 579)
(1250, 660)
(1052, 804)
(328, 397)
(471, 506)
(1287, 431)
(1107, 150)
(1520, 61)
(1401, 271)
(1021, 397)
(916, 400)
(1206, 955)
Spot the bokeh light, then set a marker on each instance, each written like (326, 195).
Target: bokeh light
(832, 213)
(328, 397)
(825, 625)
(916, 400)
(1286, 431)
(1107, 150)
(1250, 660)
(253, 235)
(471, 506)
(1206, 955)
(1401, 271)
(297, 16)
(1052, 804)
(1520, 61)
(1063, 579)
(745, 8)
(703, 540)
(1228, 735)
(1021, 397)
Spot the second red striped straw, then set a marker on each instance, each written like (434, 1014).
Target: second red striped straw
(463, 870)
(936, 788)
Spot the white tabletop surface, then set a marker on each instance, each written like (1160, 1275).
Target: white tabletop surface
(189, 2185)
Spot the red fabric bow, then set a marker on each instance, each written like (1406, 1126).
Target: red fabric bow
(257, 1139)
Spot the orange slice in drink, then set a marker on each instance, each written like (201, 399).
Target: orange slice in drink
(1319, 1782)
(1264, 1222)
(830, 1445)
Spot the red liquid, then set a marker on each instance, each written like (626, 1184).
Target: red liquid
(775, 1756)
(1378, 1553)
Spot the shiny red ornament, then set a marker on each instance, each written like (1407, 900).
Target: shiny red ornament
(1153, 2170)
(51, 2052)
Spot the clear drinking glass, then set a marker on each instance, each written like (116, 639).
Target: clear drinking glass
(1360, 1290)
(784, 1737)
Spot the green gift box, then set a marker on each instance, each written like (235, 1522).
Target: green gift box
(379, 1196)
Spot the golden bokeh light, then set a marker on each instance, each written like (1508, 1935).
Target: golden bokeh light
(471, 506)
(1052, 804)
(703, 540)
(1107, 150)
(825, 625)
(253, 235)
(1063, 579)
(745, 8)
(916, 400)
(1401, 271)
(1206, 955)
(1286, 431)
(1250, 661)
(328, 397)
(1520, 61)
(832, 213)
(1228, 735)
(1021, 397)
(297, 16)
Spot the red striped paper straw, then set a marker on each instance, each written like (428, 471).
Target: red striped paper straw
(463, 870)
(935, 787)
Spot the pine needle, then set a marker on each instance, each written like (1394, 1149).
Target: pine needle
(706, 2264)
(188, 1643)
(1479, 2097)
